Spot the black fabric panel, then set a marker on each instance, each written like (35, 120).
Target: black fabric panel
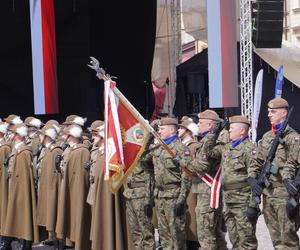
(121, 34)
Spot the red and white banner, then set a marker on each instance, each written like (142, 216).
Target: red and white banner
(125, 136)
(43, 46)
(215, 188)
(222, 54)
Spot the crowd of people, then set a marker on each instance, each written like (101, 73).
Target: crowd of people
(52, 187)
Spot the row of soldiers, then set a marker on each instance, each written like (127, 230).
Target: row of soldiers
(214, 178)
(52, 187)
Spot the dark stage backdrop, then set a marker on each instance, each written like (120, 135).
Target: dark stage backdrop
(121, 34)
(198, 64)
(289, 91)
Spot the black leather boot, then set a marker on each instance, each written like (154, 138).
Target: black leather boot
(5, 243)
(25, 245)
(61, 245)
(56, 245)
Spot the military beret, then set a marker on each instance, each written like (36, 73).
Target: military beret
(168, 121)
(239, 119)
(209, 114)
(278, 103)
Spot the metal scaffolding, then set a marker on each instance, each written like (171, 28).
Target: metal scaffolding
(246, 58)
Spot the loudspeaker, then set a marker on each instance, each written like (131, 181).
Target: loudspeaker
(267, 23)
(195, 83)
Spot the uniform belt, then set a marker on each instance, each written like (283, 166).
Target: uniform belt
(276, 184)
(135, 185)
(235, 186)
(168, 186)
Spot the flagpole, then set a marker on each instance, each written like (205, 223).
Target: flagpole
(147, 125)
(102, 75)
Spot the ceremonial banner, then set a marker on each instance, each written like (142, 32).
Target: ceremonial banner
(222, 53)
(43, 46)
(125, 136)
(279, 82)
(256, 104)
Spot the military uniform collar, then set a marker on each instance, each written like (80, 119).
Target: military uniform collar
(18, 145)
(74, 146)
(187, 141)
(240, 145)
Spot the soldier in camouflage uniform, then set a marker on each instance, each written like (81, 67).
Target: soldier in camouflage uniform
(209, 233)
(139, 203)
(281, 228)
(236, 158)
(186, 132)
(171, 185)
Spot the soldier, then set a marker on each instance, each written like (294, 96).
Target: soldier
(139, 205)
(236, 159)
(97, 130)
(33, 125)
(11, 120)
(80, 121)
(107, 229)
(54, 124)
(281, 228)
(21, 206)
(186, 132)
(49, 182)
(5, 149)
(209, 233)
(171, 185)
(73, 216)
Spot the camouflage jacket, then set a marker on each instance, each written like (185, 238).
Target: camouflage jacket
(235, 162)
(140, 182)
(286, 171)
(293, 160)
(198, 169)
(170, 180)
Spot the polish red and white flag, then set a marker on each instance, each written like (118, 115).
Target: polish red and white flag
(43, 46)
(125, 136)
